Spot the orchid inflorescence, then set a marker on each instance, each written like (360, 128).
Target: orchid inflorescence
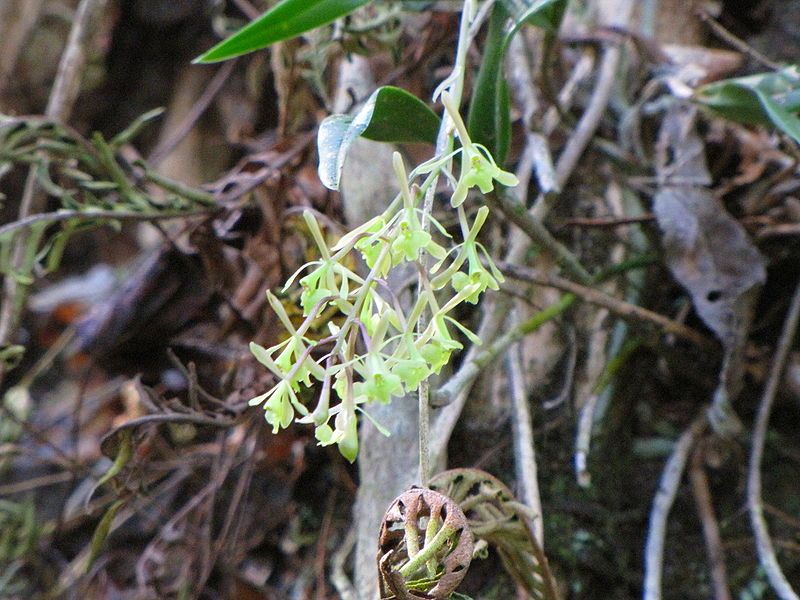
(377, 352)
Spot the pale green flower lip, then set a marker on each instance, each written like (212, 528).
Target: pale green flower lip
(478, 169)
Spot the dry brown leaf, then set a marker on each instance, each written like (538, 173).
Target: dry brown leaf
(707, 251)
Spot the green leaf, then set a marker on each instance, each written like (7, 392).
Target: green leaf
(488, 121)
(396, 116)
(124, 454)
(780, 117)
(771, 99)
(101, 532)
(546, 14)
(285, 20)
(733, 101)
(390, 114)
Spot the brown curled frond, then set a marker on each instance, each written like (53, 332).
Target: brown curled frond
(425, 547)
(494, 515)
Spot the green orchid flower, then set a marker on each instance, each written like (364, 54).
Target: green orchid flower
(329, 280)
(380, 383)
(411, 371)
(437, 353)
(346, 425)
(280, 404)
(409, 242)
(477, 276)
(372, 251)
(478, 168)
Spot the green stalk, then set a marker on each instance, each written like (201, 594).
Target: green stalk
(444, 146)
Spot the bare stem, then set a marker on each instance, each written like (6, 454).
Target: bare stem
(524, 450)
(766, 551)
(662, 504)
(705, 508)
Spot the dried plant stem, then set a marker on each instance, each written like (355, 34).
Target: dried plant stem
(736, 42)
(705, 509)
(614, 305)
(168, 145)
(68, 79)
(18, 19)
(339, 579)
(662, 504)
(524, 450)
(424, 396)
(764, 546)
(93, 215)
(588, 412)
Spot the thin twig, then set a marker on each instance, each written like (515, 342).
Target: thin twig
(249, 11)
(19, 19)
(608, 221)
(736, 42)
(662, 503)
(586, 396)
(619, 307)
(339, 579)
(766, 551)
(67, 83)
(588, 412)
(166, 146)
(705, 509)
(92, 215)
(524, 450)
(597, 367)
(321, 590)
(27, 485)
(537, 232)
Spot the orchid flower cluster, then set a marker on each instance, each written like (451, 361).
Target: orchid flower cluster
(377, 352)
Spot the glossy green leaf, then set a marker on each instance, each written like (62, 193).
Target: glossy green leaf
(771, 99)
(390, 114)
(396, 116)
(285, 20)
(488, 120)
(780, 116)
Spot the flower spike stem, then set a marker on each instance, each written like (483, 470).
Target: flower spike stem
(444, 146)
